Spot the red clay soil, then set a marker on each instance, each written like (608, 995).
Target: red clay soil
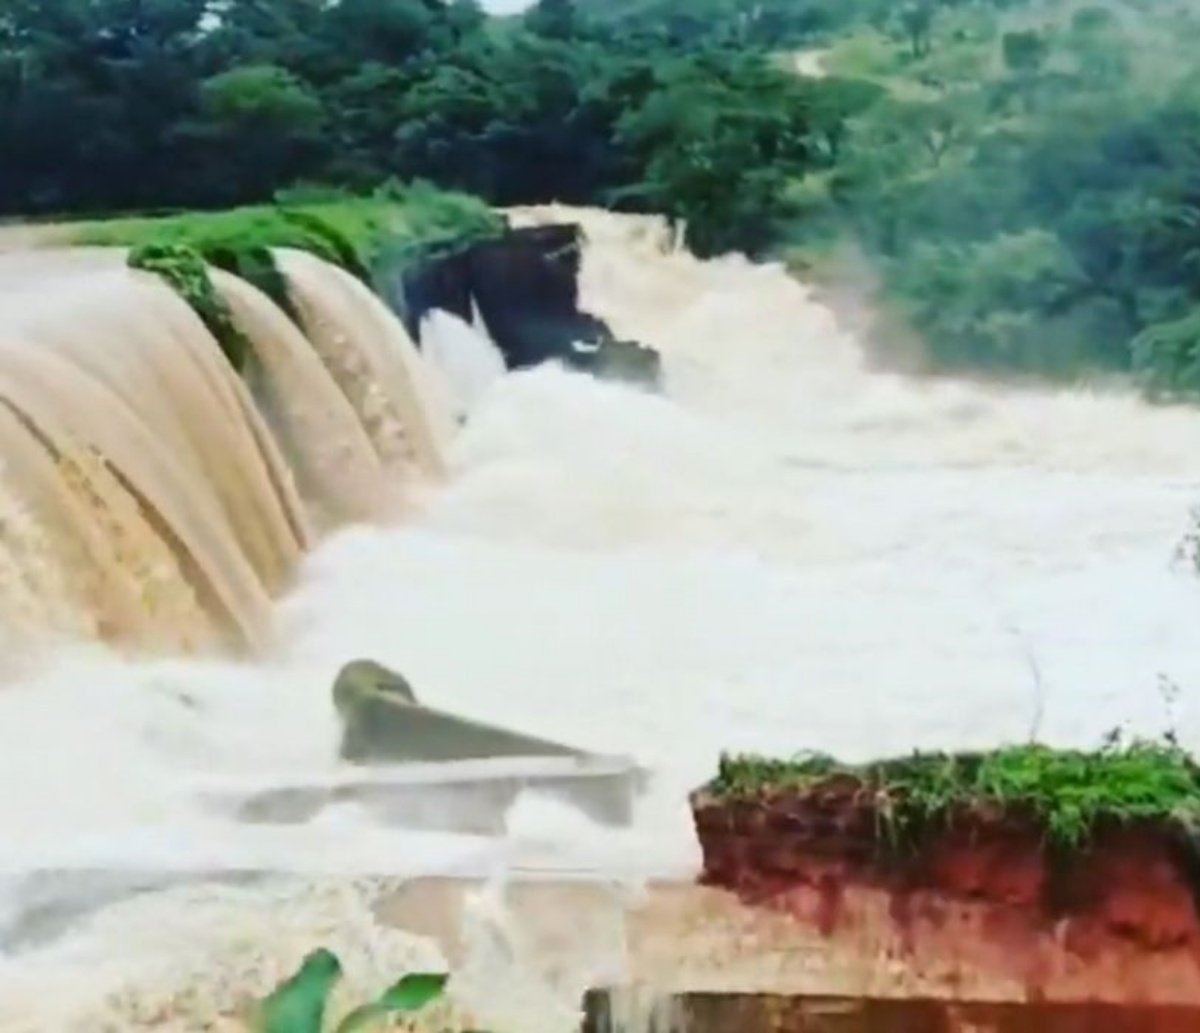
(1048, 918)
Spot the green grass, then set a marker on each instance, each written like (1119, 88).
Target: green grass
(351, 231)
(1068, 792)
(188, 275)
(358, 234)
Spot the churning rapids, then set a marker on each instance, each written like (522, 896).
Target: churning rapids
(787, 550)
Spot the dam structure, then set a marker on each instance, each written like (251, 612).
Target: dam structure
(761, 540)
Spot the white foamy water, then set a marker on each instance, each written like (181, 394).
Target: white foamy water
(784, 552)
(467, 359)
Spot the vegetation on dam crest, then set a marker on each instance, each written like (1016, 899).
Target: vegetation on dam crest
(418, 247)
(359, 235)
(355, 233)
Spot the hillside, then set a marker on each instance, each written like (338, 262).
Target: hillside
(1026, 185)
(1017, 174)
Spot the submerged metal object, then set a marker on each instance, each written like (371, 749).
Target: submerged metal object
(418, 768)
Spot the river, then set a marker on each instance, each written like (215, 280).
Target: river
(788, 550)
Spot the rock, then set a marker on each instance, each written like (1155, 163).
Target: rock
(526, 287)
(383, 722)
(624, 361)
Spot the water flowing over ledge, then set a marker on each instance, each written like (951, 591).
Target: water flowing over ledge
(204, 477)
(784, 546)
(195, 494)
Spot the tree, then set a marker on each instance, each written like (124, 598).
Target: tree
(266, 116)
(917, 19)
(465, 17)
(719, 141)
(554, 19)
(387, 32)
(363, 112)
(833, 102)
(984, 304)
(95, 92)
(937, 125)
(1088, 20)
(1167, 355)
(1024, 52)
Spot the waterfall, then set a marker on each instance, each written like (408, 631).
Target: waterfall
(786, 550)
(464, 354)
(368, 353)
(168, 498)
(326, 443)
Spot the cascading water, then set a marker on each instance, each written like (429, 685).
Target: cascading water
(210, 487)
(785, 551)
(468, 361)
(333, 458)
(369, 355)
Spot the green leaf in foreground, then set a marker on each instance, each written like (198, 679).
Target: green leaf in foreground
(411, 994)
(298, 1004)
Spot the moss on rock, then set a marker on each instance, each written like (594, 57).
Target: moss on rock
(187, 273)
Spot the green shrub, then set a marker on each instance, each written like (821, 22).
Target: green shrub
(1167, 355)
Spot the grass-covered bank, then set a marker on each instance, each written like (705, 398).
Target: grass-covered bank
(1048, 875)
(1067, 794)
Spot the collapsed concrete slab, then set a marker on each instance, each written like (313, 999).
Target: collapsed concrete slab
(415, 767)
(383, 722)
(468, 797)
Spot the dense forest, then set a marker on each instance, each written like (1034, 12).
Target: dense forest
(1029, 182)
(1022, 175)
(119, 105)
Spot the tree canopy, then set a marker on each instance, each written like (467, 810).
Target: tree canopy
(1025, 175)
(116, 105)
(1029, 183)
